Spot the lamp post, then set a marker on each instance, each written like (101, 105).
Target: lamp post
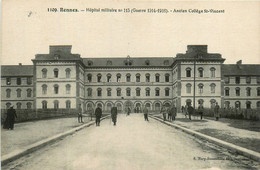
(194, 80)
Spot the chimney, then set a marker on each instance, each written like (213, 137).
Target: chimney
(239, 63)
(20, 64)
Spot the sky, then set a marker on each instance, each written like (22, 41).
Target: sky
(28, 28)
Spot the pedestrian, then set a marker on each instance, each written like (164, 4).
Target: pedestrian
(10, 118)
(98, 114)
(128, 111)
(114, 115)
(91, 112)
(146, 114)
(186, 110)
(169, 114)
(163, 111)
(174, 112)
(190, 111)
(182, 109)
(216, 111)
(200, 110)
(80, 114)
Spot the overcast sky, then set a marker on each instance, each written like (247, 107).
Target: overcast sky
(28, 29)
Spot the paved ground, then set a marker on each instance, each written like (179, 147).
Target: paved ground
(132, 144)
(28, 133)
(243, 133)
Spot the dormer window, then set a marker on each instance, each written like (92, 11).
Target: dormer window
(147, 62)
(56, 56)
(128, 62)
(166, 62)
(90, 63)
(109, 63)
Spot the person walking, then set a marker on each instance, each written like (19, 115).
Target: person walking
(186, 110)
(10, 119)
(200, 110)
(128, 111)
(163, 111)
(91, 112)
(169, 114)
(216, 111)
(174, 112)
(114, 115)
(98, 114)
(190, 111)
(80, 114)
(146, 114)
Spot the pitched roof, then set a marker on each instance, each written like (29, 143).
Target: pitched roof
(242, 70)
(17, 70)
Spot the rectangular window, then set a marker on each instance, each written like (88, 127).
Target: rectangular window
(128, 78)
(147, 92)
(167, 78)
(128, 92)
(237, 80)
(18, 81)
(137, 92)
(157, 92)
(147, 78)
(248, 92)
(29, 80)
(248, 80)
(227, 92)
(237, 92)
(8, 81)
(118, 92)
(89, 78)
(137, 78)
(226, 79)
(157, 78)
(56, 73)
(99, 93)
(167, 92)
(109, 93)
(56, 90)
(99, 79)
(188, 73)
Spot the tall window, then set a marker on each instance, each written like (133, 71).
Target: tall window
(56, 73)
(44, 104)
(89, 78)
(109, 77)
(237, 91)
(188, 72)
(108, 92)
(200, 72)
(258, 79)
(248, 91)
(18, 105)
(118, 77)
(29, 92)
(29, 80)
(128, 77)
(226, 91)
(258, 91)
(248, 79)
(212, 88)
(138, 91)
(89, 91)
(128, 92)
(147, 91)
(248, 105)
(118, 92)
(157, 92)
(137, 77)
(167, 78)
(44, 89)
(68, 89)
(44, 73)
(200, 88)
(56, 89)
(188, 88)
(56, 104)
(68, 104)
(237, 80)
(226, 79)
(8, 81)
(212, 72)
(67, 73)
(157, 78)
(18, 81)
(29, 105)
(167, 91)
(147, 78)
(19, 91)
(99, 78)
(99, 92)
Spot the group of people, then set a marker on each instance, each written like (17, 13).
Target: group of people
(98, 114)
(171, 111)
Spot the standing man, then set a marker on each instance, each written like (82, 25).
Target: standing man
(174, 112)
(163, 111)
(200, 110)
(80, 114)
(190, 111)
(128, 111)
(98, 113)
(114, 114)
(169, 114)
(216, 111)
(11, 115)
(146, 114)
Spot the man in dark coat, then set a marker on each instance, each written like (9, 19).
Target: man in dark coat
(216, 111)
(114, 115)
(80, 114)
(11, 115)
(146, 114)
(98, 113)
(200, 110)
(128, 111)
(190, 111)
(173, 112)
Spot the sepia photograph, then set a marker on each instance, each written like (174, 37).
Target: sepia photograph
(130, 85)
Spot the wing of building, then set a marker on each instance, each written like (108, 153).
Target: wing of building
(62, 80)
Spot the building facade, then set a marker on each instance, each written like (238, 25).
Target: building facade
(62, 80)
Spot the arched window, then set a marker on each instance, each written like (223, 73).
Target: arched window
(118, 77)
(56, 89)
(157, 91)
(29, 105)
(248, 105)
(200, 72)
(147, 77)
(237, 104)
(226, 79)
(68, 89)
(109, 92)
(18, 105)
(89, 106)
(99, 92)
(200, 88)
(56, 73)
(188, 88)
(212, 103)
(138, 77)
(148, 106)
(157, 107)
(118, 92)
(56, 104)
(29, 92)
(67, 72)
(212, 88)
(119, 107)
(109, 106)
(167, 77)
(44, 89)
(8, 93)
(157, 77)
(128, 92)
(128, 77)
(68, 104)
(248, 91)
(147, 91)
(99, 76)
(109, 76)
(248, 79)
(237, 91)
(44, 104)
(227, 91)
(89, 92)
(167, 91)
(212, 72)
(188, 72)
(227, 104)
(19, 91)
(138, 91)
(44, 73)
(258, 91)
(89, 78)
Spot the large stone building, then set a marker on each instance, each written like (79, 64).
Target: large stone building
(62, 80)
